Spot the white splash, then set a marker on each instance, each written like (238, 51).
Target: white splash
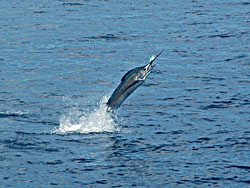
(98, 120)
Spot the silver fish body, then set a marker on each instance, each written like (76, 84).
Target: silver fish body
(129, 83)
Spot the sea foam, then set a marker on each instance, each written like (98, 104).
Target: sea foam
(97, 120)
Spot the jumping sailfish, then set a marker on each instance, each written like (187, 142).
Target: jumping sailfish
(129, 83)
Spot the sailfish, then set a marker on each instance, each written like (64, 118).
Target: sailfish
(129, 83)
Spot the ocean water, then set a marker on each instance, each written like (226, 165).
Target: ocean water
(187, 126)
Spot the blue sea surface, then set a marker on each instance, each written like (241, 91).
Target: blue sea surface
(188, 125)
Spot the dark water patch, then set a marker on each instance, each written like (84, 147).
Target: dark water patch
(87, 55)
(179, 132)
(160, 132)
(244, 81)
(4, 92)
(223, 102)
(34, 163)
(222, 131)
(102, 182)
(245, 181)
(236, 58)
(82, 160)
(212, 78)
(39, 12)
(204, 139)
(218, 125)
(73, 171)
(38, 121)
(54, 184)
(240, 167)
(246, 3)
(161, 113)
(247, 132)
(209, 147)
(208, 119)
(158, 71)
(89, 169)
(214, 106)
(102, 37)
(235, 142)
(244, 103)
(55, 162)
(200, 23)
(2, 158)
(165, 99)
(16, 144)
(22, 133)
(199, 11)
(109, 37)
(225, 35)
(72, 4)
(195, 182)
(51, 150)
(230, 139)
(217, 105)
(234, 99)
(163, 148)
(27, 142)
(150, 84)
(207, 78)
(192, 89)
(78, 141)
(50, 95)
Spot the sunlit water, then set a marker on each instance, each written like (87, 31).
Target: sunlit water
(187, 126)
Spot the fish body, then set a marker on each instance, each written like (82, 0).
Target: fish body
(129, 83)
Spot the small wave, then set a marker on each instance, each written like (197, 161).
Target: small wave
(14, 113)
(95, 121)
